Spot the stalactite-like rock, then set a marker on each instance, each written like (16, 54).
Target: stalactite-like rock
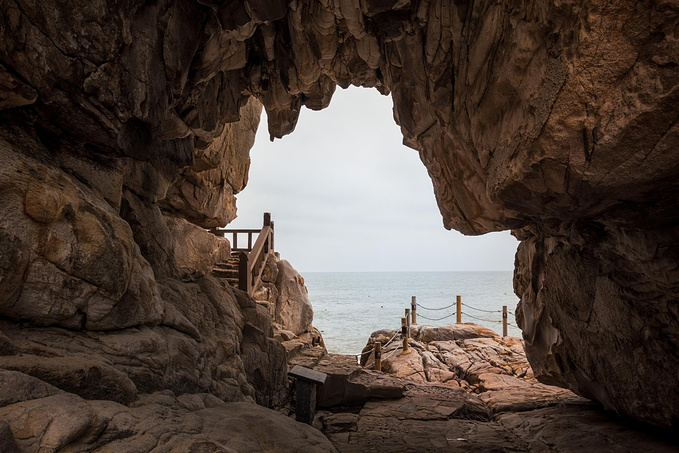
(557, 120)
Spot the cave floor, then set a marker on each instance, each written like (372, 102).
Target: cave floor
(364, 412)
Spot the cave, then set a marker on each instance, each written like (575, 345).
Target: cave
(125, 129)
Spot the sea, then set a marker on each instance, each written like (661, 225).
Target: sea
(349, 306)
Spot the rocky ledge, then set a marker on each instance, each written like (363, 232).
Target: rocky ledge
(124, 124)
(42, 418)
(461, 388)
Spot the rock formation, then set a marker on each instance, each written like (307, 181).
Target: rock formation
(557, 120)
(461, 389)
(50, 420)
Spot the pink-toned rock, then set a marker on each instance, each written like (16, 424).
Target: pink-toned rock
(293, 309)
(562, 117)
(195, 248)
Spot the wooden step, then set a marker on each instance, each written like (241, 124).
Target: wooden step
(225, 273)
(226, 266)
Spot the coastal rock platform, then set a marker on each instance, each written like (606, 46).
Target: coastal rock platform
(461, 388)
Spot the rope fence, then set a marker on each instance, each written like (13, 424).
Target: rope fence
(437, 319)
(480, 309)
(481, 319)
(436, 309)
(411, 319)
(504, 313)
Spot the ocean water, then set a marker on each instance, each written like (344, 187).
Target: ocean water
(349, 306)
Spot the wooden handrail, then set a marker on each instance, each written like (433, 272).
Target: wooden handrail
(234, 232)
(252, 258)
(257, 249)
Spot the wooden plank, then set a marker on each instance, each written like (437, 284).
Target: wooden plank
(308, 375)
(244, 281)
(258, 247)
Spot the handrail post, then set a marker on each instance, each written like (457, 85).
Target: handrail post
(267, 219)
(235, 240)
(249, 240)
(272, 249)
(504, 321)
(413, 307)
(378, 356)
(459, 309)
(244, 275)
(404, 333)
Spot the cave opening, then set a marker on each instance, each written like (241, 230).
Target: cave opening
(356, 214)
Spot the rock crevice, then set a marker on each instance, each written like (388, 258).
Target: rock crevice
(557, 120)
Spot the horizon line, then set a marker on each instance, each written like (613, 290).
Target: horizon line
(400, 271)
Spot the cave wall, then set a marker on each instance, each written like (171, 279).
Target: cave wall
(557, 120)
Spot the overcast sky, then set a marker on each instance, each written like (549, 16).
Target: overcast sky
(346, 195)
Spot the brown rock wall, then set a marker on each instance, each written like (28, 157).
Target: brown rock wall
(604, 285)
(554, 119)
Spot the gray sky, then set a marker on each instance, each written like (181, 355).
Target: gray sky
(346, 195)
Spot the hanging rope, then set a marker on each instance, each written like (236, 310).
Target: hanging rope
(480, 319)
(435, 309)
(479, 309)
(437, 319)
(392, 353)
(364, 353)
(384, 345)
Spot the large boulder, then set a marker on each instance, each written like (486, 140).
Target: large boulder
(293, 309)
(68, 259)
(190, 422)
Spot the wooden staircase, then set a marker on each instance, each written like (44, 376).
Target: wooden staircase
(243, 270)
(228, 270)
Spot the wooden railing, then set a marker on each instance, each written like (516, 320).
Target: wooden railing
(253, 258)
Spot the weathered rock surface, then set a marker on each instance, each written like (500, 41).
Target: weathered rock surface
(195, 251)
(468, 356)
(293, 309)
(190, 422)
(106, 296)
(555, 119)
(501, 412)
